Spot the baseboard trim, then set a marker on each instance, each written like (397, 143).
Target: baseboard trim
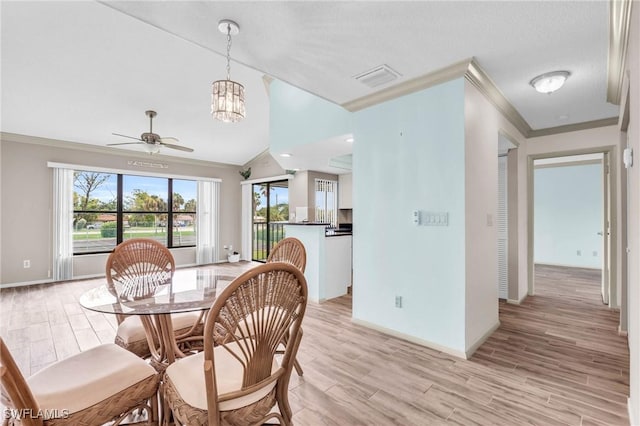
(632, 421)
(622, 332)
(516, 301)
(481, 340)
(409, 338)
(26, 283)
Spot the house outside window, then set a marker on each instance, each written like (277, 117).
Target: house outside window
(110, 208)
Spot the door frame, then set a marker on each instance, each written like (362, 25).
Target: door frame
(611, 151)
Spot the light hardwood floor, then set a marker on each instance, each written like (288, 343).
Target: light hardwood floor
(556, 359)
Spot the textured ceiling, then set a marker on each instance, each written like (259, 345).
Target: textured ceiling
(81, 70)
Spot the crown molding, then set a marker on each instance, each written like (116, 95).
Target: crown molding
(410, 86)
(586, 125)
(619, 25)
(56, 143)
(479, 78)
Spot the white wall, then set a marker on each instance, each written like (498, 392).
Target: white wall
(481, 205)
(633, 67)
(568, 210)
(297, 118)
(409, 155)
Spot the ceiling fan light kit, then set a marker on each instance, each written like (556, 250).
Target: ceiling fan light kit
(227, 96)
(151, 141)
(549, 82)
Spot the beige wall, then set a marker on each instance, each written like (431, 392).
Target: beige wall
(483, 124)
(26, 185)
(263, 166)
(299, 194)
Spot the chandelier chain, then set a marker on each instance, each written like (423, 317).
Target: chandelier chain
(228, 51)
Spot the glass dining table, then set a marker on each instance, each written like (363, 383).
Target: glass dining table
(189, 290)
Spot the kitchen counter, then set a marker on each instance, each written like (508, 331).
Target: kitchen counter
(328, 270)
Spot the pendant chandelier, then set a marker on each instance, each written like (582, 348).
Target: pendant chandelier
(227, 97)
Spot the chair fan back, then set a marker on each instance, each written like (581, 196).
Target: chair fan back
(137, 267)
(15, 392)
(289, 250)
(250, 318)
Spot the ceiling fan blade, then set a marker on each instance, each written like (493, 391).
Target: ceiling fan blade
(124, 143)
(181, 148)
(125, 136)
(169, 139)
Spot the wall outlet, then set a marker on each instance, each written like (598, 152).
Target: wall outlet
(225, 247)
(579, 252)
(26, 263)
(398, 301)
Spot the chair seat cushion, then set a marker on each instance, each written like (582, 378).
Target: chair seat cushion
(87, 378)
(131, 329)
(187, 376)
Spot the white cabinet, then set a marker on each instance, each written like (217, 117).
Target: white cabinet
(344, 191)
(338, 272)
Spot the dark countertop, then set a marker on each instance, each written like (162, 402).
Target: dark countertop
(308, 223)
(333, 233)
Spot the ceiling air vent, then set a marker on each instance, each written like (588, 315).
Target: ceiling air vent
(377, 76)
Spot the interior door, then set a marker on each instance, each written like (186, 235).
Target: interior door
(503, 232)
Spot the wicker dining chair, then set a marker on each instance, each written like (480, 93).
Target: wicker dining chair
(134, 268)
(290, 250)
(100, 385)
(237, 379)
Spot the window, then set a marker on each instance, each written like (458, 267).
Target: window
(110, 208)
(270, 213)
(326, 201)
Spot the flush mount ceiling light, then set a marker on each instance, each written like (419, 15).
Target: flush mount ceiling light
(550, 82)
(227, 97)
(285, 154)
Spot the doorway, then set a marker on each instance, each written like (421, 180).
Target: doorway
(571, 215)
(270, 213)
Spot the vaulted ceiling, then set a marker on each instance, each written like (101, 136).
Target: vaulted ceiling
(79, 71)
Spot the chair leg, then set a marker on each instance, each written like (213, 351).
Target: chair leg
(296, 364)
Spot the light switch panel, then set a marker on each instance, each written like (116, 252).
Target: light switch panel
(436, 218)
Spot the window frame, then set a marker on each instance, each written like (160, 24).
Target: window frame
(120, 211)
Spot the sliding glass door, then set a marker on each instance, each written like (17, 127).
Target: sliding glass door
(270, 213)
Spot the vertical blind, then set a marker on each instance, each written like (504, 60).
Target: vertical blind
(326, 201)
(208, 222)
(63, 224)
(502, 222)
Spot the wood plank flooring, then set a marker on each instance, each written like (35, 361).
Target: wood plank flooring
(555, 360)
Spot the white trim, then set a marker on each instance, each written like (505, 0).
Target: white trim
(632, 421)
(267, 179)
(26, 283)
(516, 301)
(410, 338)
(246, 232)
(128, 172)
(481, 340)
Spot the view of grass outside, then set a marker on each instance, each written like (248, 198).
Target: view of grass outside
(148, 210)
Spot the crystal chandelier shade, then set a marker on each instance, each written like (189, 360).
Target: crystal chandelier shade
(227, 96)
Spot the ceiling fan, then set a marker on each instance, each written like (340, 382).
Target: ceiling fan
(152, 141)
